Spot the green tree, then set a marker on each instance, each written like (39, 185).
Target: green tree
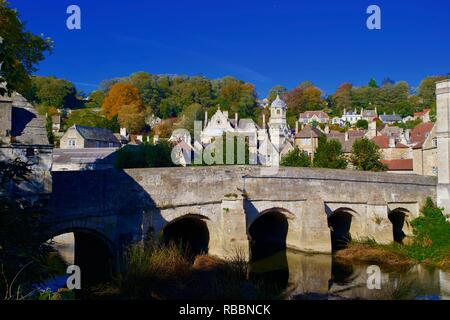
(363, 124)
(50, 91)
(189, 115)
(20, 51)
(90, 118)
(427, 90)
(296, 158)
(96, 99)
(366, 156)
(329, 154)
(144, 156)
(373, 83)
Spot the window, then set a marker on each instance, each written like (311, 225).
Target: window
(97, 144)
(278, 111)
(71, 143)
(305, 141)
(111, 145)
(434, 142)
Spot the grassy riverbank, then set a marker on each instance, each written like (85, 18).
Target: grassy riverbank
(163, 272)
(430, 244)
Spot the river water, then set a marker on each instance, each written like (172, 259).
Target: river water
(320, 276)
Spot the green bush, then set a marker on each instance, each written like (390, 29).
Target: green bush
(144, 156)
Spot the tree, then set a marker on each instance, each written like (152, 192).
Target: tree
(50, 91)
(427, 90)
(342, 99)
(373, 83)
(90, 118)
(96, 99)
(132, 118)
(237, 97)
(363, 124)
(296, 158)
(20, 51)
(121, 94)
(21, 249)
(165, 128)
(144, 156)
(366, 156)
(329, 154)
(189, 115)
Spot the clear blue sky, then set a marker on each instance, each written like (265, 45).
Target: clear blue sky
(263, 42)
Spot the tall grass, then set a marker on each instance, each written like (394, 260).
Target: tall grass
(156, 271)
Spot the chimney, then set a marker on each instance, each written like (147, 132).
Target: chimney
(391, 142)
(264, 121)
(345, 111)
(206, 118)
(327, 129)
(346, 136)
(296, 127)
(362, 109)
(155, 139)
(123, 132)
(376, 113)
(236, 118)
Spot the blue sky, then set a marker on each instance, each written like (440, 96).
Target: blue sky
(263, 42)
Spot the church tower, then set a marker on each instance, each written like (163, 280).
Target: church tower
(278, 129)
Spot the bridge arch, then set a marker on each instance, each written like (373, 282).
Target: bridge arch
(340, 222)
(189, 231)
(398, 218)
(267, 233)
(89, 249)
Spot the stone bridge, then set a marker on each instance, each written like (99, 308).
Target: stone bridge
(229, 209)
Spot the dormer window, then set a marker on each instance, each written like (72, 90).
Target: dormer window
(278, 111)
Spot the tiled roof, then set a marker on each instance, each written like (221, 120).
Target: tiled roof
(421, 113)
(383, 142)
(420, 132)
(309, 132)
(347, 145)
(399, 164)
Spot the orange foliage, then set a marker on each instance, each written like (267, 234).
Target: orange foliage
(121, 94)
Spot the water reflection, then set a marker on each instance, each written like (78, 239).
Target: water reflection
(321, 277)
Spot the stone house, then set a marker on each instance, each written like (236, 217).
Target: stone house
(391, 148)
(79, 137)
(313, 116)
(425, 151)
(424, 115)
(307, 139)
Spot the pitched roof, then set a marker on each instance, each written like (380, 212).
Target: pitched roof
(369, 113)
(347, 145)
(420, 132)
(309, 114)
(98, 134)
(84, 156)
(390, 117)
(399, 164)
(421, 113)
(309, 132)
(383, 142)
(27, 126)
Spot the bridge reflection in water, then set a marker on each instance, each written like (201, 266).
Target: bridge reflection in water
(320, 276)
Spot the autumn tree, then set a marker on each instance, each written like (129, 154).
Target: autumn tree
(121, 94)
(237, 96)
(342, 98)
(131, 117)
